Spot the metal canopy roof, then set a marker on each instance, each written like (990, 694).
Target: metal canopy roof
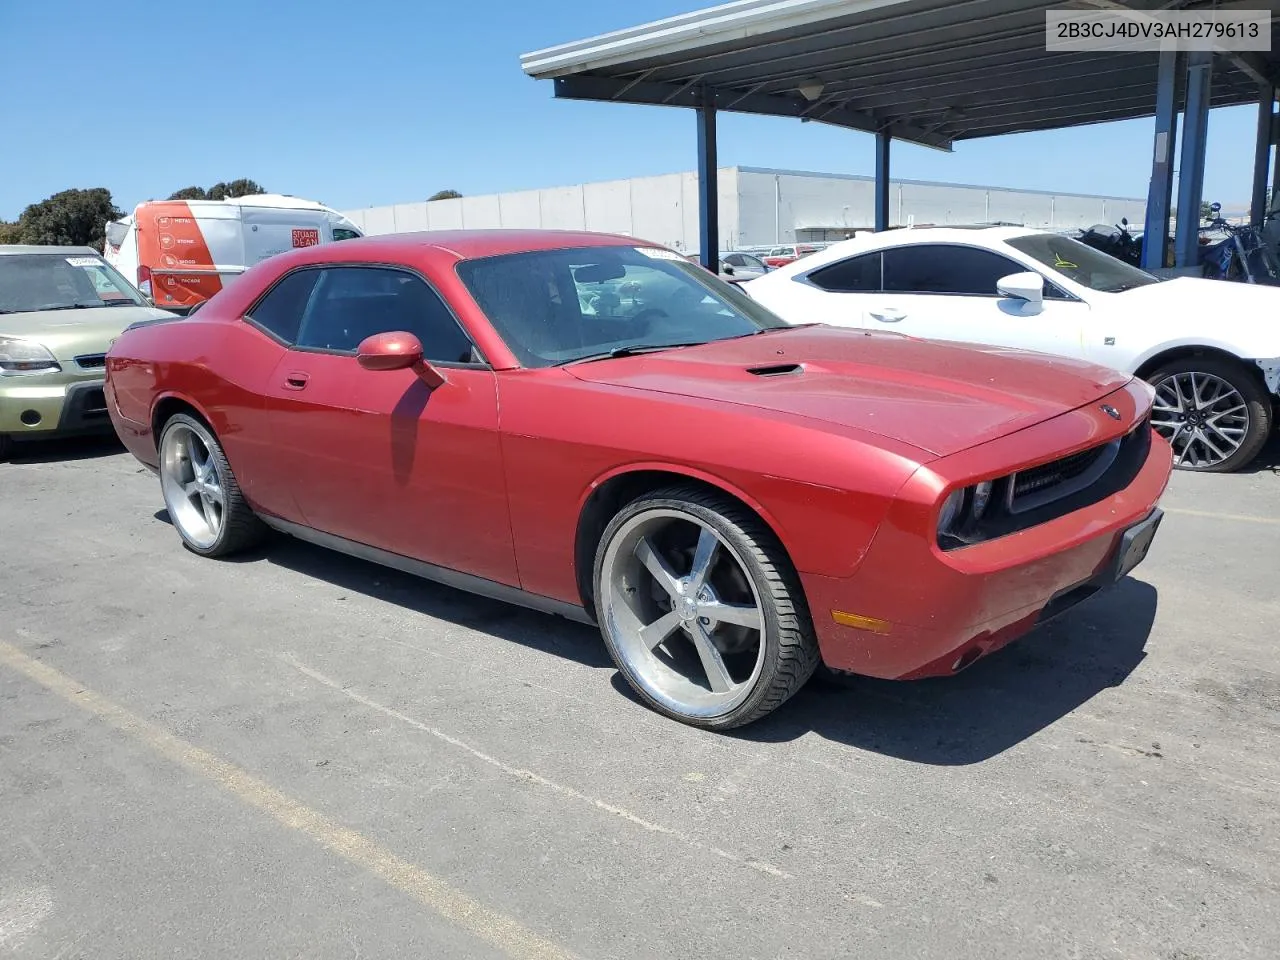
(927, 71)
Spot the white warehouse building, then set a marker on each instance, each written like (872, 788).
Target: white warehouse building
(758, 207)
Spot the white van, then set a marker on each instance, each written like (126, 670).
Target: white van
(181, 252)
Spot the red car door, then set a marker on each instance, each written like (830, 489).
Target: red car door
(378, 457)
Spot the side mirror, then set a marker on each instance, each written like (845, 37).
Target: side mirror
(1124, 221)
(397, 350)
(726, 269)
(1027, 286)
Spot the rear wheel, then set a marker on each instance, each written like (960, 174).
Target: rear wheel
(1214, 412)
(201, 493)
(701, 609)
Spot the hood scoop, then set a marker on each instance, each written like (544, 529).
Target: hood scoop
(776, 370)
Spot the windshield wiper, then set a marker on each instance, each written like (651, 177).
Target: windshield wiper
(50, 307)
(632, 350)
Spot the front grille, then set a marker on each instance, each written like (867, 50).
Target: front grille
(1050, 478)
(92, 361)
(1050, 490)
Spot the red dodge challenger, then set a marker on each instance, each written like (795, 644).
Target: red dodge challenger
(595, 427)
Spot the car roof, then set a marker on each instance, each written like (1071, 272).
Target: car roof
(51, 249)
(474, 244)
(869, 242)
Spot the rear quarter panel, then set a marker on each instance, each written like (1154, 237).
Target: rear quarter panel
(217, 367)
(823, 492)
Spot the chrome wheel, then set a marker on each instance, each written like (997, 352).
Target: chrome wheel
(193, 491)
(683, 616)
(1204, 417)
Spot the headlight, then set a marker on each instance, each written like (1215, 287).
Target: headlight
(963, 508)
(22, 356)
(950, 512)
(981, 497)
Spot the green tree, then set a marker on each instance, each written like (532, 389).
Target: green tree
(9, 232)
(69, 218)
(444, 195)
(189, 193)
(236, 188)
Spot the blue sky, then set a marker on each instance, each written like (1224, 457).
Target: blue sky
(382, 101)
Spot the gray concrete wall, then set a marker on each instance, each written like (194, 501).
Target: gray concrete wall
(782, 207)
(662, 209)
(757, 207)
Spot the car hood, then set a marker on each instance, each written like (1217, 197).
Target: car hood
(1243, 313)
(70, 333)
(938, 397)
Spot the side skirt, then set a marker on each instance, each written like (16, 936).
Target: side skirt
(429, 571)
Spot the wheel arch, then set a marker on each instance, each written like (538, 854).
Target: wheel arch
(1167, 355)
(614, 490)
(172, 403)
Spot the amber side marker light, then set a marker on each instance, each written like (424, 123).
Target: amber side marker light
(859, 622)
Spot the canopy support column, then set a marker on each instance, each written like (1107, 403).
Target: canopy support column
(1262, 154)
(1195, 137)
(882, 180)
(708, 184)
(1155, 235)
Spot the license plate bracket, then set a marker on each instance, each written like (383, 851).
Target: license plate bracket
(1135, 543)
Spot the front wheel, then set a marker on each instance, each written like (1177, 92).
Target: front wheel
(701, 609)
(201, 493)
(1215, 413)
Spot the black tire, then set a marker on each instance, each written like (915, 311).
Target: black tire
(240, 528)
(790, 647)
(1249, 384)
(6, 446)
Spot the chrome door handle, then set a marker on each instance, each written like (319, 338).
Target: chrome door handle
(888, 315)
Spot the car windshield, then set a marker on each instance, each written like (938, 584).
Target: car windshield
(557, 306)
(56, 281)
(1082, 263)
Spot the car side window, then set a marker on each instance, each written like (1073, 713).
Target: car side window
(946, 269)
(859, 274)
(342, 233)
(280, 311)
(352, 303)
(735, 260)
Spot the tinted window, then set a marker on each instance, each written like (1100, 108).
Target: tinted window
(352, 303)
(280, 311)
(855, 275)
(944, 268)
(1082, 263)
(342, 233)
(556, 306)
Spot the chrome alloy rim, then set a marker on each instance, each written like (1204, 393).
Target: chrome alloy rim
(1204, 418)
(192, 489)
(683, 615)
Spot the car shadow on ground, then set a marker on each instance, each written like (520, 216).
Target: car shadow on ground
(65, 449)
(538, 631)
(995, 704)
(1268, 459)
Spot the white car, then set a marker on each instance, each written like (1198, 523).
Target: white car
(1210, 348)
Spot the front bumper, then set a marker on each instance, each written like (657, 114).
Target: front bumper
(911, 611)
(35, 409)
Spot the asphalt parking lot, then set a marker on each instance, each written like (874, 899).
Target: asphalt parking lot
(304, 755)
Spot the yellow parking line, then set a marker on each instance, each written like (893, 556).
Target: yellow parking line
(497, 929)
(1237, 517)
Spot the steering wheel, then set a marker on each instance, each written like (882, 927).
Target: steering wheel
(644, 319)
